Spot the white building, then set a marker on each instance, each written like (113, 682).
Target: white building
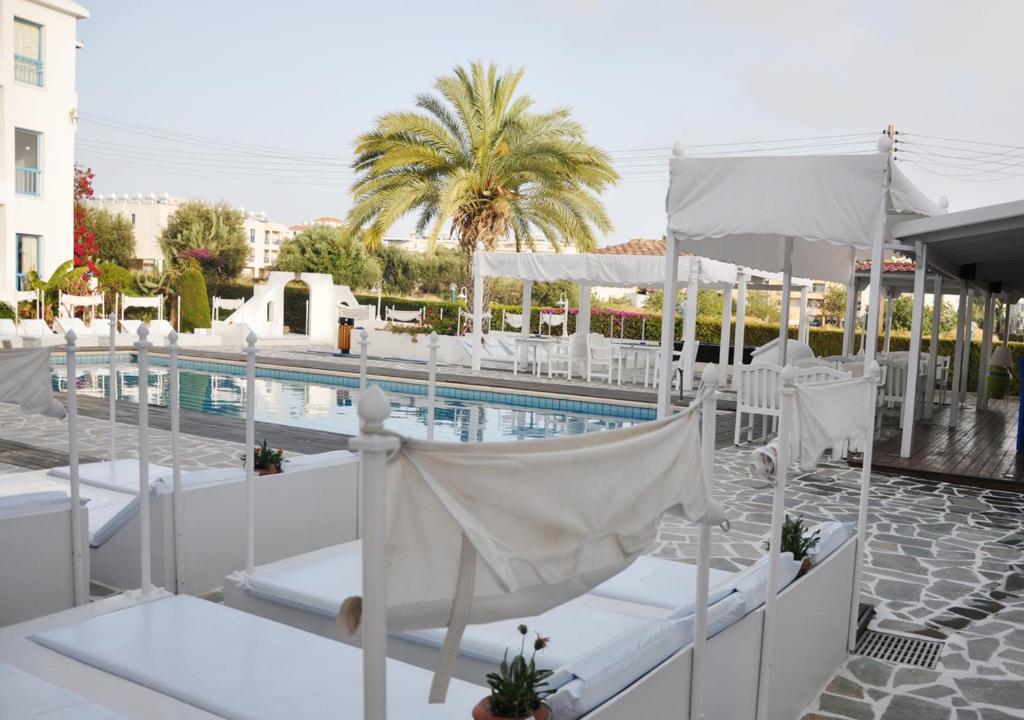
(150, 213)
(38, 113)
(418, 244)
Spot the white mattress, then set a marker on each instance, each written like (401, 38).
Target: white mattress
(34, 502)
(244, 667)
(121, 475)
(104, 505)
(26, 697)
(662, 583)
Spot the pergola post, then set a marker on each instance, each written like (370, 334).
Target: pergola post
(850, 317)
(668, 326)
(933, 347)
(583, 316)
(527, 307)
(965, 368)
(875, 282)
(986, 349)
(478, 309)
(724, 335)
(741, 316)
(803, 331)
(787, 287)
(958, 356)
(889, 297)
(914, 361)
(690, 326)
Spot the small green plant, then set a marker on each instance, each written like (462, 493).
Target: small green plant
(413, 331)
(195, 305)
(796, 540)
(519, 688)
(265, 458)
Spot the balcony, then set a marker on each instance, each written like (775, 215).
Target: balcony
(28, 70)
(28, 181)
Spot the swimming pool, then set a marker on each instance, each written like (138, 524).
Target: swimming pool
(328, 402)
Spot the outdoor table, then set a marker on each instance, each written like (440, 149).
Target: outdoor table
(536, 343)
(638, 350)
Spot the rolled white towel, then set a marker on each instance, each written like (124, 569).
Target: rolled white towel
(762, 462)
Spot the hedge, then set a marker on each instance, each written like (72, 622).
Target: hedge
(443, 317)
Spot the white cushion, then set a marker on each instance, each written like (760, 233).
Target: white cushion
(121, 475)
(26, 696)
(8, 328)
(131, 326)
(831, 536)
(160, 328)
(662, 583)
(33, 328)
(241, 666)
(33, 502)
(331, 457)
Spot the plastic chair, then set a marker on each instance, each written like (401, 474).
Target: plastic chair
(600, 357)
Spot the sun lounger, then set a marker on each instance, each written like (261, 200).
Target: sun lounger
(35, 565)
(232, 665)
(26, 697)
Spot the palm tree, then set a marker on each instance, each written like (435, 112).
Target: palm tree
(478, 159)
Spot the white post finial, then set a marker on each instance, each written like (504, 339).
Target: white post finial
(172, 338)
(875, 371)
(678, 149)
(788, 376)
(145, 569)
(251, 339)
(884, 144)
(143, 332)
(373, 410)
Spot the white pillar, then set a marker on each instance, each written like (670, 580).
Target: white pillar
(986, 349)
(527, 306)
(875, 373)
(965, 368)
(583, 316)
(914, 361)
(145, 570)
(112, 389)
(889, 297)
(933, 347)
(958, 355)
(787, 285)
(875, 296)
(803, 330)
(374, 444)
(364, 345)
(174, 403)
(690, 325)
(478, 308)
(723, 348)
(668, 326)
(787, 394)
(431, 385)
(250, 453)
(741, 312)
(79, 581)
(712, 377)
(850, 317)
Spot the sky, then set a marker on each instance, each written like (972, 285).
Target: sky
(257, 103)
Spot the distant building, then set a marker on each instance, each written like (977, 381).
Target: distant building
(150, 213)
(419, 244)
(38, 114)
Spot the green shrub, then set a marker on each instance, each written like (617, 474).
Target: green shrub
(195, 305)
(6, 312)
(115, 279)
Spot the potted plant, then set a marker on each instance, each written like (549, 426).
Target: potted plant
(266, 460)
(796, 540)
(518, 689)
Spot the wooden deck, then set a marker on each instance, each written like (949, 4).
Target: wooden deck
(981, 452)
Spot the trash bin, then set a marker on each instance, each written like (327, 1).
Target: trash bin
(345, 326)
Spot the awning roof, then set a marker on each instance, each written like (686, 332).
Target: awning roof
(991, 239)
(742, 209)
(646, 271)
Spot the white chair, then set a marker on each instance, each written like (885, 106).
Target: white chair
(131, 326)
(34, 329)
(894, 388)
(942, 376)
(757, 395)
(600, 357)
(561, 358)
(160, 328)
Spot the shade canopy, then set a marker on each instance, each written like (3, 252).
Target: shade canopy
(603, 270)
(743, 209)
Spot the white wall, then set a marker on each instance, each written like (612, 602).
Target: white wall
(50, 110)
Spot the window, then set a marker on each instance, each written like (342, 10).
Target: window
(133, 218)
(28, 174)
(28, 52)
(29, 248)
(266, 237)
(266, 258)
(252, 235)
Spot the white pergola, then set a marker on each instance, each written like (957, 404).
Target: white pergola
(981, 250)
(589, 270)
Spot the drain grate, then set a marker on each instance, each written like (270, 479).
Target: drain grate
(899, 649)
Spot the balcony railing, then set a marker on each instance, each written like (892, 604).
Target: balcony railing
(28, 181)
(28, 70)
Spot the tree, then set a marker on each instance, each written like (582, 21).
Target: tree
(397, 269)
(324, 249)
(216, 230)
(763, 305)
(114, 235)
(833, 305)
(902, 315)
(195, 305)
(477, 157)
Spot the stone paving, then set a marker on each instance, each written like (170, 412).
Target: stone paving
(943, 562)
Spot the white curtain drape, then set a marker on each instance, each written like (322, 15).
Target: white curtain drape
(25, 380)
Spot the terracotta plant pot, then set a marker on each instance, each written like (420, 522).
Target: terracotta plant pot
(268, 471)
(482, 711)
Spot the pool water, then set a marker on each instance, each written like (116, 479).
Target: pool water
(328, 402)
